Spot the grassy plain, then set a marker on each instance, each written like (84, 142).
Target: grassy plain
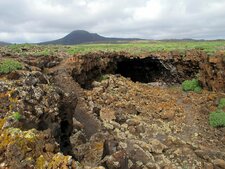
(134, 47)
(150, 46)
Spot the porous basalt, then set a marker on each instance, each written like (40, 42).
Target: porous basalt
(133, 116)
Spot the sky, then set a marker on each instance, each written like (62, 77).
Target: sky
(26, 21)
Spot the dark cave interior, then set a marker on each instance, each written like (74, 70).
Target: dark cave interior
(145, 70)
(142, 70)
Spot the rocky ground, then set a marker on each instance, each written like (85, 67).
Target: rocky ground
(79, 112)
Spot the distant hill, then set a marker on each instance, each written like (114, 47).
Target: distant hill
(81, 36)
(4, 43)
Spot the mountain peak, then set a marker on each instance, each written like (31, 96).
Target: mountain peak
(82, 36)
(79, 32)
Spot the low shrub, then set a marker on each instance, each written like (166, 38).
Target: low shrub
(217, 119)
(198, 89)
(191, 85)
(221, 103)
(17, 116)
(9, 65)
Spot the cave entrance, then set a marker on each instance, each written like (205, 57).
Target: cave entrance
(145, 70)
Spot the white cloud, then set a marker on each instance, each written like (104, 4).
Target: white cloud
(150, 12)
(33, 21)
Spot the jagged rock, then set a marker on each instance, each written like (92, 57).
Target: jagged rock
(212, 72)
(117, 160)
(94, 154)
(219, 163)
(120, 117)
(107, 114)
(15, 75)
(118, 123)
(136, 153)
(168, 115)
(38, 105)
(23, 149)
(208, 165)
(96, 84)
(77, 125)
(110, 147)
(209, 154)
(61, 161)
(78, 138)
(31, 81)
(50, 147)
(157, 146)
(132, 122)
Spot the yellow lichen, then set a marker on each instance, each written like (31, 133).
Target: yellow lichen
(41, 163)
(30, 134)
(2, 122)
(60, 161)
(16, 136)
(14, 132)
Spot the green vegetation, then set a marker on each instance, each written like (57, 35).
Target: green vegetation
(140, 47)
(45, 52)
(221, 103)
(133, 47)
(33, 50)
(198, 89)
(9, 65)
(191, 85)
(217, 119)
(17, 116)
(17, 48)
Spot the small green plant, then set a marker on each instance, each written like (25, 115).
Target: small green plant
(191, 85)
(43, 53)
(221, 103)
(9, 65)
(198, 89)
(217, 119)
(17, 116)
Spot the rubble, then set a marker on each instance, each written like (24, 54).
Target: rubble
(85, 113)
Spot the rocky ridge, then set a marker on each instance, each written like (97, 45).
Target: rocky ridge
(117, 123)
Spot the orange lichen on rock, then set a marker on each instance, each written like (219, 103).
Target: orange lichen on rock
(212, 70)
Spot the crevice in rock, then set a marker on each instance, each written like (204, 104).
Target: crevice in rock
(66, 127)
(67, 106)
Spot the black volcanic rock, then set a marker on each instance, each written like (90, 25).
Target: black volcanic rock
(81, 36)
